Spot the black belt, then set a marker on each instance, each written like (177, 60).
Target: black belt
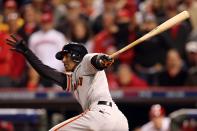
(107, 103)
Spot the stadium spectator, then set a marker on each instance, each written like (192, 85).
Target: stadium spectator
(130, 5)
(96, 9)
(6, 126)
(123, 34)
(30, 22)
(178, 34)
(19, 72)
(3, 26)
(39, 5)
(73, 13)
(152, 7)
(108, 7)
(191, 48)
(59, 11)
(174, 73)
(189, 125)
(150, 54)
(158, 120)
(126, 78)
(104, 41)
(45, 43)
(5, 60)
(88, 8)
(10, 7)
(191, 6)
(81, 33)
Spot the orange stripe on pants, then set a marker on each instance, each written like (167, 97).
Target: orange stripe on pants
(72, 119)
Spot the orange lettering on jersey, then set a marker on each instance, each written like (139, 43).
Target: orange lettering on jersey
(78, 83)
(75, 86)
(68, 83)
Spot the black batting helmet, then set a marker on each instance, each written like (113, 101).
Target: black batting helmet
(77, 51)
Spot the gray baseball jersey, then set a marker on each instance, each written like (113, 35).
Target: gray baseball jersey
(89, 86)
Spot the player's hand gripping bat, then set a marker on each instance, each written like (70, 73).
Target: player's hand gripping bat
(159, 29)
(105, 60)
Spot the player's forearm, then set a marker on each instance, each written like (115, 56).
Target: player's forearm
(44, 70)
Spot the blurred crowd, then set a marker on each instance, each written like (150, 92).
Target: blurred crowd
(160, 121)
(103, 26)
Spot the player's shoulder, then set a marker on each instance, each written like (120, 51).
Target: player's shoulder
(91, 54)
(88, 57)
(86, 61)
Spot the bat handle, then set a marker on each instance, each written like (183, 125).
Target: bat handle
(126, 48)
(114, 54)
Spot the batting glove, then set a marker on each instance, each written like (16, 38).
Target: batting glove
(105, 60)
(17, 45)
(101, 61)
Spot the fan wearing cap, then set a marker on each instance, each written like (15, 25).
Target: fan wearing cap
(10, 12)
(85, 78)
(158, 121)
(191, 49)
(10, 6)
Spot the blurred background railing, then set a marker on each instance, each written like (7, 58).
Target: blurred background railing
(14, 97)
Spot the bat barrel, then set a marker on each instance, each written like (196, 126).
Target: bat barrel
(159, 29)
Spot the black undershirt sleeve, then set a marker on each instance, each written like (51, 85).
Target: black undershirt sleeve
(46, 71)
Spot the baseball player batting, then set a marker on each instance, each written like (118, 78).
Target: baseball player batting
(86, 80)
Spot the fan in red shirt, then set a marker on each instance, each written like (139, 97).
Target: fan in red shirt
(104, 41)
(18, 61)
(125, 79)
(5, 62)
(6, 126)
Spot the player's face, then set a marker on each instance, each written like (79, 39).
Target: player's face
(69, 64)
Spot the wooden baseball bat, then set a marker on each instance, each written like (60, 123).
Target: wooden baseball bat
(159, 29)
